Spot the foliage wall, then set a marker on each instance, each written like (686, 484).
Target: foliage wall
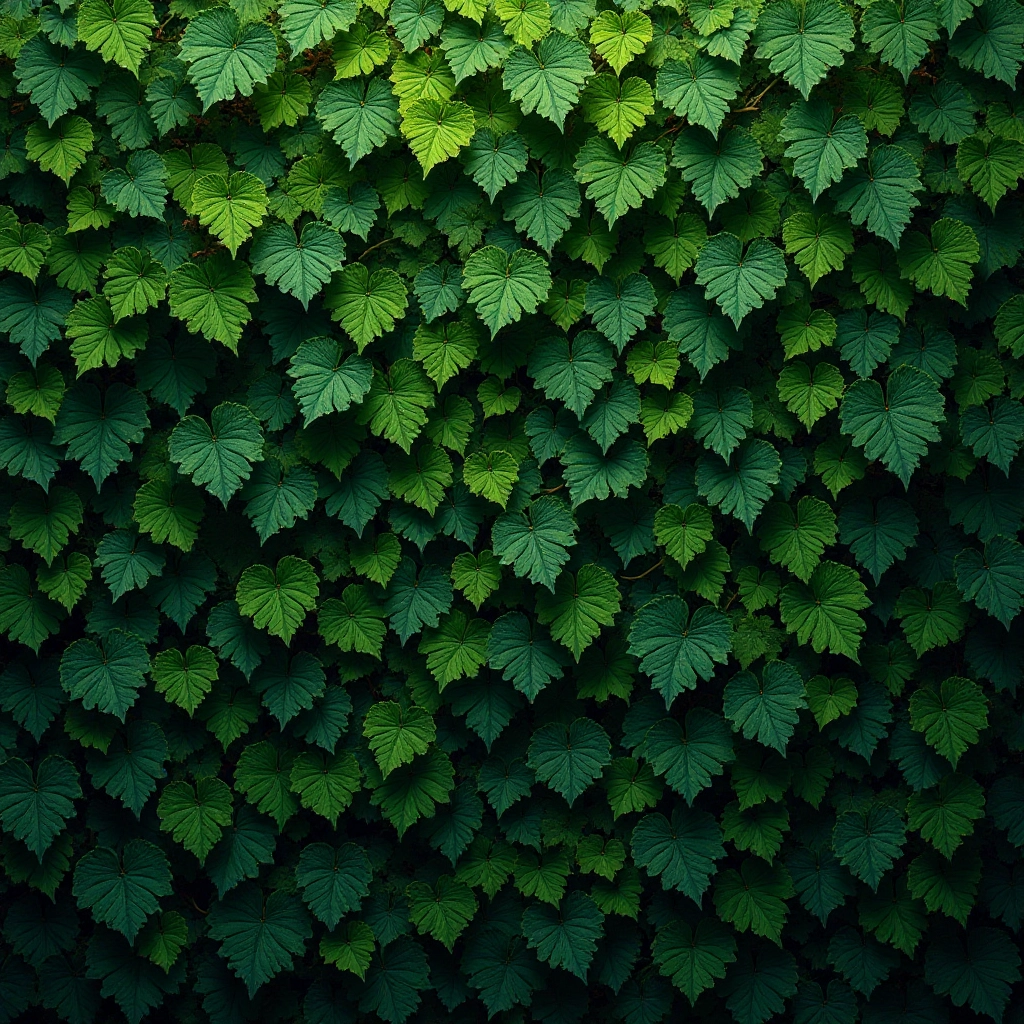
(511, 511)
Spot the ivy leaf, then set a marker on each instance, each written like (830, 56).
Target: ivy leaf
(951, 716)
(995, 431)
(34, 806)
(543, 206)
(333, 879)
(259, 934)
(457, 648)
(566, 935)
(305, 23)
(212, 298)
(677, 648)
(569, 758)
(548, 81)
(699, 90)
(681, 850)
(437, 130)
(119, 30)
(741, 486)
(824, 610)
(900, 32)
(123, 889)
(195, 817)
(821, 145)
(943, 262)
(753, 898)
(524, 654)
(618, 38)
(740, 280)
(225, 56)
(880, 193)
(766, 708)
(415, 599)
(367, 305)
(991, 166)
(278, 600)
(218, 454)
(868, 842)
(106, 675)
(797, 541)
(990, 41)
(994, 580)
(442, 911)
(185, 678)
(693, 958)
(503, 286)
(717, 168)
(617, 182)
(896, 426)
(360, 115)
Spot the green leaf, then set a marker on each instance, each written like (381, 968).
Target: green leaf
(278, 600)
(306, 23)
(367, 305)
(767, 708)
(503, 286)
(618, 108)
(415, 600)
(821, 145)
(395, 735)
(995, 431)
(122, 889)
(212, 296)
(950, 716)
(127, 561)
(991, 166)
(350, 948)
(824, 610)
(333, 879)
(57, 79)
(106, 675)
(119, 30)
(394, 406)
(543, 207)
(990, 41)
(694, 958)
(797, 540)
(681, 850)
(569, 758)
(868, 842)
(259, 934)
(880, 193)
(548, 81)
(494, 160)
(197, 816)
(740, 280)
(618, 38)
(524, 654)
(34, 806)
(619, 182)
(457, 648)
(566, 935)
(359, 115)
(581, 604)
(442, 911)
(325, 784)
(977, 970)
(943, 262)
(301, 265)
(931, 619)
(218, 455)
(878, 534)
(676, 648)
(230, 206)
(492, 475)
(185, 678)
(225, 56)
(753, 898)
(803, 39)
(437, 130)
(993, 579)
(895, 426)
(325, 380)
(901, 32)
(741, 486)
(945, 814)
(717, 168)
(699, 90)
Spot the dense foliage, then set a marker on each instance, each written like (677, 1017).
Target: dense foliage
(511, 510)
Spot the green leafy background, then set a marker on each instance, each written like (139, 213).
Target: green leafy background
(511, 511)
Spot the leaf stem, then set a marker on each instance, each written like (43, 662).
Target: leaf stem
(657, 565)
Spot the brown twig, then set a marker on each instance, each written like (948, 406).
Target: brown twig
(755, 103)
(551, 490)
(657, 565)
(377, 245)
